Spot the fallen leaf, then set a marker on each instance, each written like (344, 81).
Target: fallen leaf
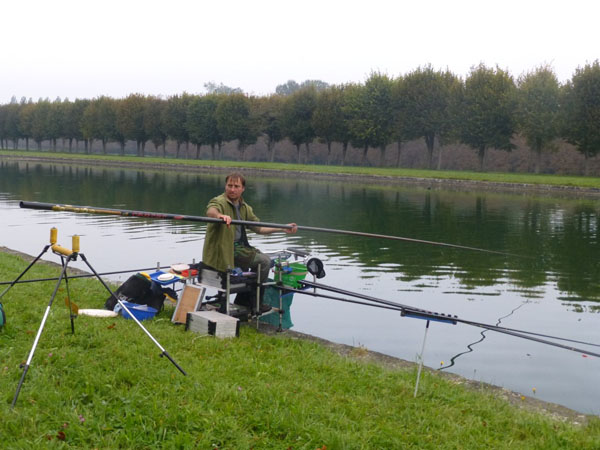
(61, 435)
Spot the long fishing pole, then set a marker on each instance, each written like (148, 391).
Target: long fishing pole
(410, 311)
(89, 275)
(167, 216)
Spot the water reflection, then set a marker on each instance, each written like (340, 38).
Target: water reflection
(555, 291)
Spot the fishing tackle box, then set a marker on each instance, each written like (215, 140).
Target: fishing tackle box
(212, 323)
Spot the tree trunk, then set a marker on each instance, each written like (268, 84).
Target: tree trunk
(122, 148)
(271, 150)
(104, 146)
(164, 146)
(328, 152)
(187, 150)
(220, 150)
(439, 161)
(242, 149)
(212, 151)
(143, 147)
(70, 145)
(298, 153)
(538, 160)
(307, 160)
(197, 151)
(429, 141)
(364, 155)
(381, 155)
(399, 153)
(481, 154)
(177, 150)
(344, 151)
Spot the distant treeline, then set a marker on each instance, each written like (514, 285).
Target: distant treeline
(489, 109)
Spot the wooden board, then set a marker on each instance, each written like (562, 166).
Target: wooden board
(190, 300)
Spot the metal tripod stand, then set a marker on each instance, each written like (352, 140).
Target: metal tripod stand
(68, 255)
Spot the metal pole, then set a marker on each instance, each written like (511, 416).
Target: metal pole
(90, 275)
(71, 315)
(164, 352)
(40, 329)
(25, 271)
(257, 302)
(421, 360)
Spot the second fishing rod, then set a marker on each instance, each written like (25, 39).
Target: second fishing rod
(183, 217)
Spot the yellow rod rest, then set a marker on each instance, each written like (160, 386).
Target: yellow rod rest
(53, 235)
(75, 243)
(61, 250)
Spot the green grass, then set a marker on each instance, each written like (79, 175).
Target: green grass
(498, 177)
(106, 387)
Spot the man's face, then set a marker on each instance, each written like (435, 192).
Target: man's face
(234, 189)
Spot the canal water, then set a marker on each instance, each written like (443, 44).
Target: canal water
(553, 290)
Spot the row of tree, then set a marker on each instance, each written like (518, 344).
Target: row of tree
(485, 110)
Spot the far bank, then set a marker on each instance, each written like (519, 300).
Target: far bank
(430, 179)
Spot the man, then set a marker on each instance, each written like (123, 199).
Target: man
(227, 246)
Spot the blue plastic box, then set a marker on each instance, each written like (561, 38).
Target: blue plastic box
(140, 312)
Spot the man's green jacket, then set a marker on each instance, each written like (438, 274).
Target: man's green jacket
(218, 243)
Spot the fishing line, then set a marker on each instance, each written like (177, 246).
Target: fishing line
(483, 336)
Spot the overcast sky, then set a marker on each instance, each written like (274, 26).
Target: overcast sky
(88, 48)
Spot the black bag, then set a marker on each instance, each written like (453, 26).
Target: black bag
(138, 289)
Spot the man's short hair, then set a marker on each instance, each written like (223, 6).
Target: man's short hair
(236, 176)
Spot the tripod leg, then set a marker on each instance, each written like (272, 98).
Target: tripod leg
(164, 352)
(39, 333)
(25, 271)
(421, 360)
(71, 315)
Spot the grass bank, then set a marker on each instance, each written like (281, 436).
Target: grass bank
(393, 173)
(106, 387)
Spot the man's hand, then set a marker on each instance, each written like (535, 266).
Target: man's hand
(225, 218)
(291, 230)
(216, 214)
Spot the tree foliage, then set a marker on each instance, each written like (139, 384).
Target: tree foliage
(130, 121)
(538, 110)
(370, 113)
(296, 119)
(268, 113)
(235, 121)
(201, 122)
(581, 110)
(329, 120)
(427, 104)
(292, 86)
(488, 110)
(485, 111)
(175, 119)
(214, 88)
